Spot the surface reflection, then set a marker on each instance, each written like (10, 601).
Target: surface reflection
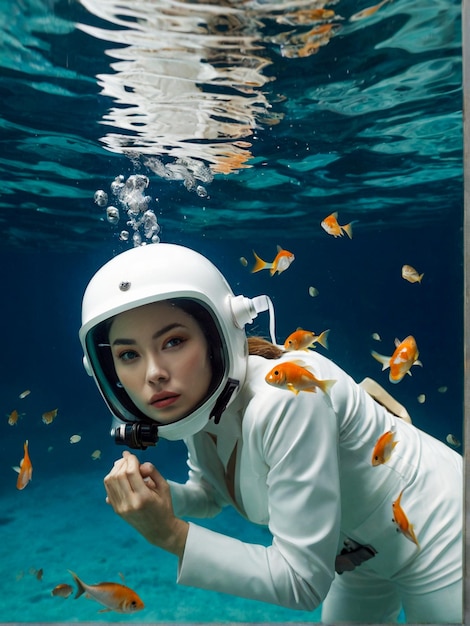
(189, 80)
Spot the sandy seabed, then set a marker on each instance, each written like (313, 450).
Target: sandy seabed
(64, 524)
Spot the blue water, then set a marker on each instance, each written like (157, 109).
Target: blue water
(369, 126)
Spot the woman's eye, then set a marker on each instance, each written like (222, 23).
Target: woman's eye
(173, 342)
(128, 355)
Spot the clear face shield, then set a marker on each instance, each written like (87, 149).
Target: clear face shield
(131, 427)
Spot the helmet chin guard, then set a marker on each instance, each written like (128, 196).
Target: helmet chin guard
(155, 273)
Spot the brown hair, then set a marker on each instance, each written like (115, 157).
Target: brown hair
(263, 347)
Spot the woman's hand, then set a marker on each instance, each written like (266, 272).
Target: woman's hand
(141, 496)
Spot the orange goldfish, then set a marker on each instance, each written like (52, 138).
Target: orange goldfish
(282, 261)
(26, 469)
(304, 339)
(402, 522)
(383, 448)
(113, 596)
(295, 377)
(331, 226)
(411, 275)
(14, 417)
(50, 416)
(405, 355)
(360, 15)
(62, 591)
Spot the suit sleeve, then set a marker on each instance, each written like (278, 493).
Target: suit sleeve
(196, 497)
(297, 438)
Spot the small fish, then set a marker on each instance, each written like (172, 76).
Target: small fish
(281, 262)
(313, 292)
(113, 596)
(96, 455)
(383, 448)
(421, 398)
(411, 275)
(304, 339)
(243, 261)
(49, 416)
(376, 337)
(13, 417)
(62, 591)
(360, 15)
(400, 519)
(453, 441)
(38, 573)
(24, 393)
(331, 226)
(442, 389)
(295, 377)
(26, 469)
(75, 438)
(405, 355)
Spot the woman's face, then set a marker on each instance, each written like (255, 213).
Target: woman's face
(161, 358)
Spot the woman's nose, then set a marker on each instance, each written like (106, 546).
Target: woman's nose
(155, 370)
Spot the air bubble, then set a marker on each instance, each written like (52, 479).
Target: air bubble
(100, 197)
(112, 215)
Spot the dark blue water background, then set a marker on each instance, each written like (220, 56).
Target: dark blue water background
(370, 126)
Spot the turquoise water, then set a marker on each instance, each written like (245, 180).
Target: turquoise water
(243, 151)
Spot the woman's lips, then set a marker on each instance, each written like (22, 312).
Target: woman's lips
(163, 400)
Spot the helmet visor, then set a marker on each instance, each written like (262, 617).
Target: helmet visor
(101, 360)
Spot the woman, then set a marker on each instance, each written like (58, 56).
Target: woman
(163, 336)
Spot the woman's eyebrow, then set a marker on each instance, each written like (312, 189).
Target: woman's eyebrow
(156, 335)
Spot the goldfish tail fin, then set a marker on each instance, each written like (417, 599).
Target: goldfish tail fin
(326, 385)
(413, 537)
(259, 264)
(80, 587)
(347, 228)
(323, 338)
(420, 278)
(385, 360)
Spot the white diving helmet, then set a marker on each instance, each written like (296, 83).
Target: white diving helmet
(153, 273)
